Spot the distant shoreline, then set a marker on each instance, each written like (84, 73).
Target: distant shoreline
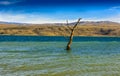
(83, 29)
(57, 36)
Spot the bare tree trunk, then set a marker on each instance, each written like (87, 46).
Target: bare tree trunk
(71, 35)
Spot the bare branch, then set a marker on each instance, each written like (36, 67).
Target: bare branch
(77, 23)
(71, 35)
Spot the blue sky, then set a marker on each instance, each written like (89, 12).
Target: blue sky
(56, 11)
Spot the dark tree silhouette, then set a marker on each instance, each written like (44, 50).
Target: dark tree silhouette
(71, 35)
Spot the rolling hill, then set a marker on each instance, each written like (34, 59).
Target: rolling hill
(85, 28)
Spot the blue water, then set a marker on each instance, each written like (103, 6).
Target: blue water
(56, 38)
(46, 56)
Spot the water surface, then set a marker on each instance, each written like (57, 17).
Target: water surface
(86, 58)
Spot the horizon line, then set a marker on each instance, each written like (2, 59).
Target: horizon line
(14, 22)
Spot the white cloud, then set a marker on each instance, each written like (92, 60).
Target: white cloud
(9, 2)
(114, 18)
(5, 3)
(114, 8)
(39, 19)
(26, 18)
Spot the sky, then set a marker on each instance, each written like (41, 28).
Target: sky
(58, 11)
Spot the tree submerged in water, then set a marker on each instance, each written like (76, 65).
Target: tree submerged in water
(72, 34)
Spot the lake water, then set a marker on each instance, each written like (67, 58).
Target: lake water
(46, 56)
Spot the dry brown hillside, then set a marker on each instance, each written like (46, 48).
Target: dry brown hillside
(60, 30)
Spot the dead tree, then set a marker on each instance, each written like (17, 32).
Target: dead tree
(71, 35)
